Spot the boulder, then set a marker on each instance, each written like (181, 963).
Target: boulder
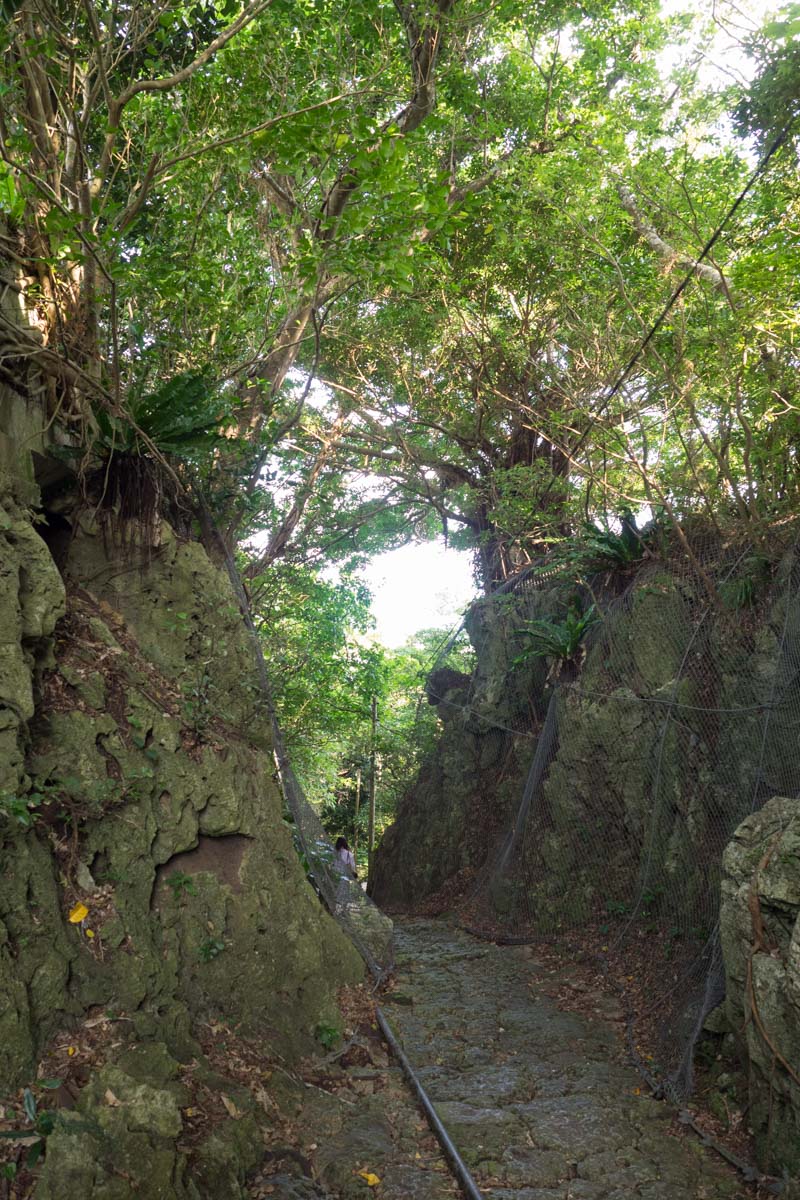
(760, 929)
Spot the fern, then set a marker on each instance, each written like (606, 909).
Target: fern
(560, 641)
(603, 548)
(181, 418)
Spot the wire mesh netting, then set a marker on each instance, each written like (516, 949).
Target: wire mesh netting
(681, 719)
(366, 926)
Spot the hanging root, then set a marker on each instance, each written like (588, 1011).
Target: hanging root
(130, 493)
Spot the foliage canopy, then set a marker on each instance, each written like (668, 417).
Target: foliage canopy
(362, 272)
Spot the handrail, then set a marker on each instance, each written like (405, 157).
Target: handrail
(459, 1168)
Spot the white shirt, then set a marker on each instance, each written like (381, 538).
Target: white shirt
(345, 860)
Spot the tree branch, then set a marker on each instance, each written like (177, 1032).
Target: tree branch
(671, 256)
(166, 82)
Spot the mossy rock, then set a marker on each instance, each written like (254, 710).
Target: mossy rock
(38, 951)
(762, 861)
(120, 1141)
(31, 601)
(142, 790)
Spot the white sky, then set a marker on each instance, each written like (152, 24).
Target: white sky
(420, 586)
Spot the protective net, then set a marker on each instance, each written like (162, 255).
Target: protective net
(678, 717)
(366, 926)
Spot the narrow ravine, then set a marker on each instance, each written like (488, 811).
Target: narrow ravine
(540, 1102)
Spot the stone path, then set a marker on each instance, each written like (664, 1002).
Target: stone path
(540, 1102)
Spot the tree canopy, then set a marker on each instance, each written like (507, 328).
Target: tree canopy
(362, 273)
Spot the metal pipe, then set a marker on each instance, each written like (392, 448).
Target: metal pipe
(468, 1184)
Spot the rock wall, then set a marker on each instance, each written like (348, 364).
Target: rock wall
(146, 874)
(678, 722)
(760, 924)
(470, 785)
(146, 761)
(660, 742)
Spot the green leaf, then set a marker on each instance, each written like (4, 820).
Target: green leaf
(34, 1154)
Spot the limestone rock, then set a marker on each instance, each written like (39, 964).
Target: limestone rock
(120, 1141)
(761, 882)
(163, 777)
(31, 601)
(443, 681)
(478, 765)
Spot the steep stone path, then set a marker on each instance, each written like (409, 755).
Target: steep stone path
(540, 1102)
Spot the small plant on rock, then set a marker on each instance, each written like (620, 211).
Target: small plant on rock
(603, 549)
(21, 809)
(181, 884)
(560, 641)
(327, 1034)
(745, 588)
(40, 1123)
(211, 948)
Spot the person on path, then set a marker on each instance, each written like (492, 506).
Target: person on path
(345, 860)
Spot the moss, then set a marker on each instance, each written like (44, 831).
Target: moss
(141, 792)
(124, 1132)
(224, 1159)
(31, 601)
(37, 954)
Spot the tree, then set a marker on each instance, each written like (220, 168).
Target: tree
(487, 395)
(406, 733)
(324, 667)
(468, 219)
(188, 186)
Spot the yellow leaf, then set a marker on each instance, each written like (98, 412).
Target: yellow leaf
(89, 933)
(77, 914)
(637, 1091)
(370, 1179)
(70, 1051)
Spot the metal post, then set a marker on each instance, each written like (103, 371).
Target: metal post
(358, 806)
(371, 827)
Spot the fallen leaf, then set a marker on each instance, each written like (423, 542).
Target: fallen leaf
(111, 1099)
(70, 1051)
(78, 913)
(89, 933)
(231, 1108)
(370, 1179)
